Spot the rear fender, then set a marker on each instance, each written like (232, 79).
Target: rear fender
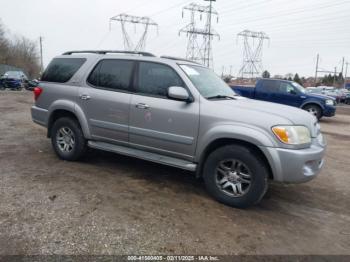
(75, 109)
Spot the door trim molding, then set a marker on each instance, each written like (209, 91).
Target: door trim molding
(186, 140)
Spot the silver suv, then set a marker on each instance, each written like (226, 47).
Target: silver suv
(178, 113)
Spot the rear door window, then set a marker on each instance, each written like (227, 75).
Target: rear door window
(112, 74)
(61, 70)
(270, 86)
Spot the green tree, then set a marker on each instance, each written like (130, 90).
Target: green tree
(297, 79)
(266, 74)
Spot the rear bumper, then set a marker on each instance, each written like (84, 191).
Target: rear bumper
(296, 165)
(39, 115)
(329, 111)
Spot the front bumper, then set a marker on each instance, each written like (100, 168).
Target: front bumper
(329, 111)
(296, 165)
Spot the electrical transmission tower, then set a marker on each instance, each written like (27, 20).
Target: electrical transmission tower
(252, 52)
(199, 47)
(129, 19)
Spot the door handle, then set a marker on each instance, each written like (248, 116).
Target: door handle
(85, 97)
(142, 106)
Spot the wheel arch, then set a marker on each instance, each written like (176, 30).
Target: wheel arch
(67, 112)
(307, 103)
(217, 143)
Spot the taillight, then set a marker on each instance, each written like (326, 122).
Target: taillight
(37, 92)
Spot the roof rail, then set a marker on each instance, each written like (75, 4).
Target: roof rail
(180, 59)
(103, 52)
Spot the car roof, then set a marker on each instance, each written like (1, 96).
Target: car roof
(137, 56)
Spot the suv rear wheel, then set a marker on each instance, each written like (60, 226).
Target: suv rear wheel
(235, 176)
(68, 139)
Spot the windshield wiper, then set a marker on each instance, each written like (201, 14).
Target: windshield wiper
(221, 97)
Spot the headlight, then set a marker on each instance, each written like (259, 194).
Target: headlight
(329, 102)
(292, 135)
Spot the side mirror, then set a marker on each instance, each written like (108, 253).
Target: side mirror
(178, 93)
(292, 92)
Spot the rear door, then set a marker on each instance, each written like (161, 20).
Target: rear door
(267, 90)
(106, 99)
(157, 123)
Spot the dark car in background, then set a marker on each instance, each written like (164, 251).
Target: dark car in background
(13, 80)
(289, 93)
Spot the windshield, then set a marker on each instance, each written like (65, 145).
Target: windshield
(207, 82)
(299, 87)
(14, 74)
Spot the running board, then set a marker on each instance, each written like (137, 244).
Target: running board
(153, 157)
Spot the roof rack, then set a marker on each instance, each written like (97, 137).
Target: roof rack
(179, 59)
(103, 52)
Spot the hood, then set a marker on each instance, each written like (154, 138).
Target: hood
(324, 97)
(265, 114)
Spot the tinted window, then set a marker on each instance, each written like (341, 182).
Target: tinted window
(286, 88)
(60, 70)
(113, 74)
(155, 79)
(270, 86)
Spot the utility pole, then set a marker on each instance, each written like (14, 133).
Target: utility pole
(208, 48)
(197, 50)
(252, 52)
(316, 71)
(335, 74)
(342, 66)
(346, 73)
(41, 55)
(129, 19)
(223, 71)
(230, 70)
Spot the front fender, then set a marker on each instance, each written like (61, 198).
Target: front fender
(312, 101)
(246, 133)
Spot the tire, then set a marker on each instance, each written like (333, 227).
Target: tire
(247, 162)
(314, 110)
(67, 139)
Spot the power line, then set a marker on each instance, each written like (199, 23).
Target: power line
(125, 19)
(291, 12)
(199, 47)
(252, 52)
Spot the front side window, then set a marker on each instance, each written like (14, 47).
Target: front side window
(155, 79)
(112, 74)
(287, 88)
(61, 70)
(298, 87)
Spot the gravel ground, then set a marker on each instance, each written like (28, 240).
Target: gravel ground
(110, 204)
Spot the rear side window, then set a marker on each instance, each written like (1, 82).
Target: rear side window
(155, 79)
(61, 70)
(112, 74)
(270, 86)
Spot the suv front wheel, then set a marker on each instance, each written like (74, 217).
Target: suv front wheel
(68, 139)
(236, 176)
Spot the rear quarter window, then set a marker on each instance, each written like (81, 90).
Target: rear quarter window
(61, 70)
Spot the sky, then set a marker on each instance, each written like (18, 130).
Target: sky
(298, 29)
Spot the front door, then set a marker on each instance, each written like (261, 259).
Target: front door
(106, 100)
(160, 124)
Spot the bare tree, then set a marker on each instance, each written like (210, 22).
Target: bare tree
(4, 44)
(20, 52)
